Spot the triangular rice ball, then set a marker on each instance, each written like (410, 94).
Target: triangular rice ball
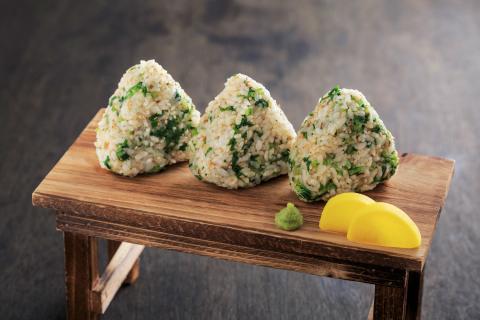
(148, 123)
(342, 146)
(243, 137)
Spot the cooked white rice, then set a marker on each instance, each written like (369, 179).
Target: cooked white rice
(147, 124)
(341, 146)
(243, 137)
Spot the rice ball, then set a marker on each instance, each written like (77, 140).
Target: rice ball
(243, 137)
(342, 146)
(147, 124)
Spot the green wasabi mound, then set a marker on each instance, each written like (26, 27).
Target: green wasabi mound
(289, 218)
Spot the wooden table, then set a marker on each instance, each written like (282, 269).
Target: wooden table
(175, 211)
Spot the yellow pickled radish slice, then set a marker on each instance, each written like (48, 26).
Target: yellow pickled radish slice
(341, 209)
(385, 225)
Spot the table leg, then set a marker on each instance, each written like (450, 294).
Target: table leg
(390, 303)
(414, 298)
(81, 272)
(399, 303)
(134, 273)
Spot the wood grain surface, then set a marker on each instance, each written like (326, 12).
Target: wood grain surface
(81, 274)
(117, 270)
(416, 61)
(175, 203)
(134, 273)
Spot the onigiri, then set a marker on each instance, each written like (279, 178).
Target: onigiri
(147, 124)
(243, 137)
(342, 146)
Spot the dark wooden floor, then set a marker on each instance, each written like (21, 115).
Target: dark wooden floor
(418, 62)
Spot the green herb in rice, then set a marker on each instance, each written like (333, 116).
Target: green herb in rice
(107, 164)
(121, 153)
(227, 108)
(303, 192)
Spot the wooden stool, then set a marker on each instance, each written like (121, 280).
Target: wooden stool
(173, 210)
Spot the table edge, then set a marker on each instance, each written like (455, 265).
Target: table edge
(76, 208)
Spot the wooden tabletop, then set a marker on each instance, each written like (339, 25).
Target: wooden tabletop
(175, 203)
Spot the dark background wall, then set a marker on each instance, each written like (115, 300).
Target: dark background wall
(416, 61)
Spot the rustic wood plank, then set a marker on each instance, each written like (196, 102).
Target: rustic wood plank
(315, 265)
(414, 295)
(414, 289)
(114, 275)
(134, 273)
(199, 232)
(81, 272)
(390, 303)
(175, 202)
